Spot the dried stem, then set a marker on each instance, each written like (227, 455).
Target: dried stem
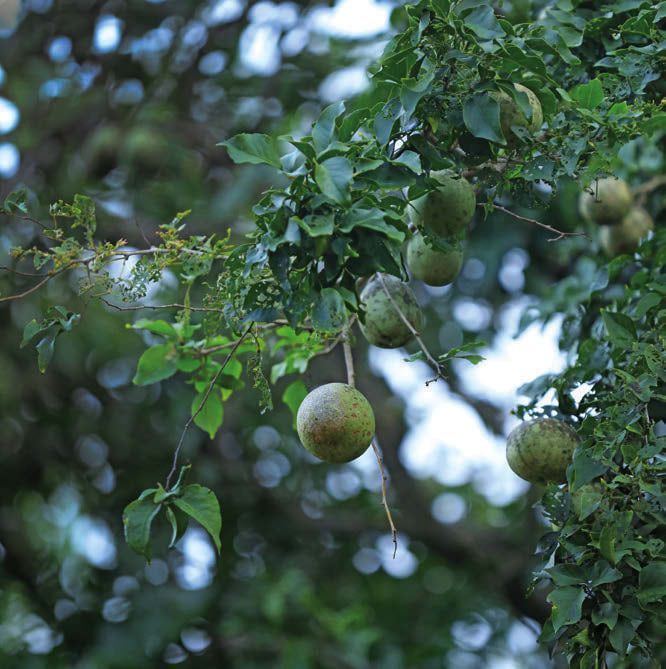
(559, 233)
(349, 360)
(431, 360)
(211, 385)
(394, 532)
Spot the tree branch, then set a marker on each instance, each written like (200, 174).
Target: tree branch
(559, 233)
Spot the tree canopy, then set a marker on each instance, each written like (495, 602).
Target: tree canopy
(192, 241)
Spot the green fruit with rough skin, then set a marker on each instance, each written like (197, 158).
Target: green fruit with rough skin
(626, 236)
(445, 212)
(607, 202)
(435, 268)
(512, 115)
(540, 451)
(335, 423)
(383, 325)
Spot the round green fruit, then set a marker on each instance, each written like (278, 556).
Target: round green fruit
(608, 202)
(512, 115)
(435, 268)
(625, 237)
(540, 451)
(383, 325)
(335, 423)
(445, 212)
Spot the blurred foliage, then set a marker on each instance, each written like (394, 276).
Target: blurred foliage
(305, 576)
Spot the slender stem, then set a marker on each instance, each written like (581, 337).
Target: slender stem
(433, 363)
(160, 306)
(211, 385)
(349, 360)
(394, 532)
(34, 288)
(559, 233)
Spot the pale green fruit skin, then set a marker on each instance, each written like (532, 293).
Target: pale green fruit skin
(614, 201)
(512, 115)
(446, 211)
(625, 237)
(540, 451)
(335, 423)
(435, 268)
(383, 326)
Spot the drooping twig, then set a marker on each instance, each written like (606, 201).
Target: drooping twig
(351, 380)
(643, 190)
(160, 306)
(394, 532)
(559, 233)
(431, 360)
(211, 385)
(37, 286)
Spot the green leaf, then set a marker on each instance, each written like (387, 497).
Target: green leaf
(45, 350)
(646, 303)
(137, 519)
(483, 22)
(156, 363)
(16, 202)
(323, 131)
(602, 573)
(329, 313)
(334, 177)
(567, 604)
(652, 582)
(621, 329)
(607, 540)
(252, 148)
(607, 614)
(481, 115)
(201, 504)
(160, 327)
(210, 417)
(588, 96)
(373, 219)
(32, 328)
(178, 521)
(293, 395)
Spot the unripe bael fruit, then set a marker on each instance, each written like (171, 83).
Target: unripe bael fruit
(625, 237)
(335, 423)
(540, 451)
(607, 202)
(383, 325)
(445, 212)
(512, 115)
(435, 268)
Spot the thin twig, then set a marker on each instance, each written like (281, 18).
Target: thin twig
(15, 271)
(559, 233)
(34, 288)
(643, 190)
(433, 363)
(349, 360)
(351, 380)
(211, 385)
(394, 532)
(160, 306)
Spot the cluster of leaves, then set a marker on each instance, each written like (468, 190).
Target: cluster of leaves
(339, 214)
(606, 560)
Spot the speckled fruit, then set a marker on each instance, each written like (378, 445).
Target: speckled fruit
(612, 202)
(540, 451)
(445, 212)
(383, 326)
(436, 268)
(625, 237)
(512, 115)
(335, 423)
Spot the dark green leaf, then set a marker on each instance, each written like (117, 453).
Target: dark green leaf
(334, 177)
(293, 395)
(323, 131)
(567, 604)
(16, 202)
(201, 504)
(621, 329)
(45, 350)
(652, 582)
(329, 313)
(178, 521)
(481, 115)
(483, 22)
(137, 519)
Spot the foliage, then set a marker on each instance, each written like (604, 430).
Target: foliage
(337, 213)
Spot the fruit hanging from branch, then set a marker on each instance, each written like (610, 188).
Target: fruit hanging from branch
(384, 326)
(606, 202)
(511, 115)
(625, 237)
(434, 268)
(335, 423)
(444, 213)
(540, 450)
